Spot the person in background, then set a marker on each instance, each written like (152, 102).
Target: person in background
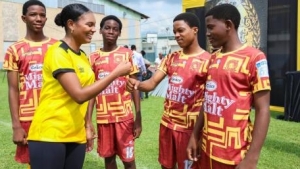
(158, 60)
(149, 72)
(139, 61)
(59, 136)
(187, 72)
(24, 61)
(237, 79)
(117, 129)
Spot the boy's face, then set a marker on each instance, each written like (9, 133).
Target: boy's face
(110, 31)
(216, 31)
(184, 34)
(35, 18)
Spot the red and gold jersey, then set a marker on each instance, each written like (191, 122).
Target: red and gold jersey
(232, 80)
(26, 58)
(187, 75)
(113, 104)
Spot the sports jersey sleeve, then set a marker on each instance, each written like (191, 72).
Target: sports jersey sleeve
(92, 59)
(259, 73)
(10, 60)
(59, 61)
(164, 64)
(134, 68)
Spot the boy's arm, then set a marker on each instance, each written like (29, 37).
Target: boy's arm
(19, 134)
(193, 151)
(261, 124)
(137, 105)
(147, 85)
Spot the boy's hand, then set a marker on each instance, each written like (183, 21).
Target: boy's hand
(132, 84)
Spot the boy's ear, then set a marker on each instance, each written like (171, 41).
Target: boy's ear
(195, 29)
(229, 24)
(23, 17)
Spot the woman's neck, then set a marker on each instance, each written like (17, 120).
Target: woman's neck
(71, 42)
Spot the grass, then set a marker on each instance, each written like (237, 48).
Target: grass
(281, 149)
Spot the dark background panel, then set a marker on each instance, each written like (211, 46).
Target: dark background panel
(281, 45)
(200, 12)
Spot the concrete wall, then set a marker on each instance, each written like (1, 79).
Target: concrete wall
(12, 27)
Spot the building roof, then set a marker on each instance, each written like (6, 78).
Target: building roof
(143, 16)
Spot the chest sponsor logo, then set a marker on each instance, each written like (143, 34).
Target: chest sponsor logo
(115, 88)
(176, 79)
(211, 85)
(102, 75)
(178, 93)
(36, 67)
(215, 104)
(33, 80)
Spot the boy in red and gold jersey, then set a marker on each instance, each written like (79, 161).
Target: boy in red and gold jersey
(187, 73)
(116, 126)
(237, 80)
(23, 62)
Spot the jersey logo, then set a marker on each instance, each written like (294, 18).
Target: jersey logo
(196, 65)
(262, 68)
(118, 58)
(36, 67)
(81, 69)
(176, 79)
(211, 85)
(102, 75)
(215, 104)
(231, 65)
(101, 60)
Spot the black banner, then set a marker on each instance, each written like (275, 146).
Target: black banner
(292, 96)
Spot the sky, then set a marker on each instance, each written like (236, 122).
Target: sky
(161, 13)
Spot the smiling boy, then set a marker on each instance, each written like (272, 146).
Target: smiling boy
(24, 61)
(187, 72)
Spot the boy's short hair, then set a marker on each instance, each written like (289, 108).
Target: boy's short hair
(190, 18)
(29, 3)
(226, 12)
(111, 17)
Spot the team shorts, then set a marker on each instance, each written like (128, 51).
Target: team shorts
(116, 139)
(207, 163)
(172, 149)
(22, 152)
